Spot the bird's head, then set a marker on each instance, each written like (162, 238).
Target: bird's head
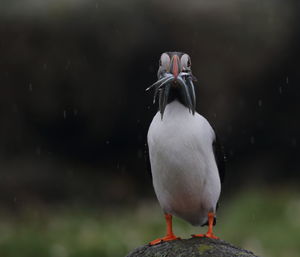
(175, 80)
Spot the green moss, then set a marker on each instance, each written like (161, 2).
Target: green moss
(204, 248)
(243, 254)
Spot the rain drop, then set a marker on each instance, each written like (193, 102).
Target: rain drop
(65, 114)
(15, 108)
(30, 87)
(38, 150)
(229, 129)
(252, 140)
(280, 90)
(287, 80)
(259, 103)
(139, 154)
(67, 65)
(107, 142)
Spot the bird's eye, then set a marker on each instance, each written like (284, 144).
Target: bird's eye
(164, 61)
(186, 62)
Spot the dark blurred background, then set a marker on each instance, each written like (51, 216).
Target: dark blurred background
(74, 113)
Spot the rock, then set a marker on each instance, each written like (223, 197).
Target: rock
(193, 247)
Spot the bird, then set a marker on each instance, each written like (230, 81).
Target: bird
(186, 157)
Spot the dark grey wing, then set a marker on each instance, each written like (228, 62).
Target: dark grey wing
(220, 160)
(219, 157)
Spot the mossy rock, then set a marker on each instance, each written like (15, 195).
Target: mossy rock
(193, 247)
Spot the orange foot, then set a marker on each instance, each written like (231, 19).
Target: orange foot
(164, 239)
(209, 235)
(170, 235)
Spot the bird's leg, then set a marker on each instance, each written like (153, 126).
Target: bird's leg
(170, 235)
(209, 233)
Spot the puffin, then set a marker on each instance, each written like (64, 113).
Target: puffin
(186, 158)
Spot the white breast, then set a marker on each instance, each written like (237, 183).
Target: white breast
(185, 175)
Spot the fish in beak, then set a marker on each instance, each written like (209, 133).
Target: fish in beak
(174, 78)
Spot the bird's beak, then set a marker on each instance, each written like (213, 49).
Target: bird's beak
(175, 66)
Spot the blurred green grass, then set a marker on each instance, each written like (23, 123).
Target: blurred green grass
(264, 221)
